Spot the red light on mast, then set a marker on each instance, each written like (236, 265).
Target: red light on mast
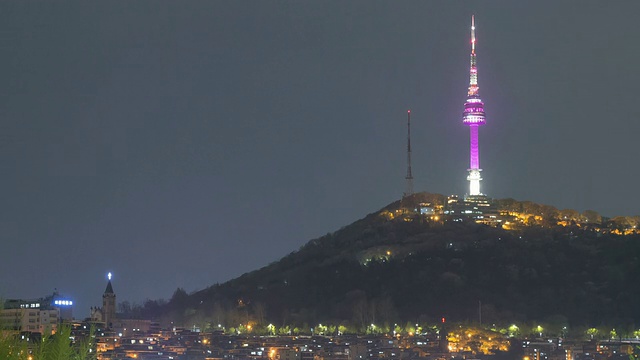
(443, 320)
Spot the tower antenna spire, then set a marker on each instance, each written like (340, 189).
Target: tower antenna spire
(473, 34)
(409, 177)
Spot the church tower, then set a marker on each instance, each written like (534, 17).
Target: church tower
(109, 304)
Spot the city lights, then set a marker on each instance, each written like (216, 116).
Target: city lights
(63, 302)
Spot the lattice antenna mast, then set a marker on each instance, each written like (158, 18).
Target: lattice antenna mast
(409, 177)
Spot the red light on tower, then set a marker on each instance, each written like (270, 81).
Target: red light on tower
(443, 320)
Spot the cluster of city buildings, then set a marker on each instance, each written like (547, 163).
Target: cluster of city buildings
(556, 349)
(185, 344)
(44, 315)
(117, 338)
(36, 315)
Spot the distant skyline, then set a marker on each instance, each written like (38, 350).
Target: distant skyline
(184, 144)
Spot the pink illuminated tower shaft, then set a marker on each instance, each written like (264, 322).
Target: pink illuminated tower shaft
(474, 161)
(473, 116)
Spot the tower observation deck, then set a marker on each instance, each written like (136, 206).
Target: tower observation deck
(474, 117)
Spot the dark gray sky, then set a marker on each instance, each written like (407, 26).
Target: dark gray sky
(185, 143)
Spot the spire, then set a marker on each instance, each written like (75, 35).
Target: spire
(473, 71)
(109, 289)
(473, 34)
(409, 177)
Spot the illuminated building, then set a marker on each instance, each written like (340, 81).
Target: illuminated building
(480, 208)
(36, 315)
(40, 320)
(474, 117)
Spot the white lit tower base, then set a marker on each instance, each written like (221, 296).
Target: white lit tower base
(474, 182)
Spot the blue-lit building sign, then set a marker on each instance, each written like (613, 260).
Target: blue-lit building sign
(61, 302)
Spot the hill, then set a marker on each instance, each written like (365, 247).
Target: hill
(396, 266)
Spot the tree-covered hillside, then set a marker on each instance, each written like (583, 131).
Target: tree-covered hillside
(395, 267)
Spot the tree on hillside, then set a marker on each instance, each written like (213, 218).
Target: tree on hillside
(592, 217)
(510, 205)
(622, 223)
(259, 312)
(571, 215)
(179, 298)
(152, 309)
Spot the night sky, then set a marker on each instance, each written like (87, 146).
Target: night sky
(183, 144)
